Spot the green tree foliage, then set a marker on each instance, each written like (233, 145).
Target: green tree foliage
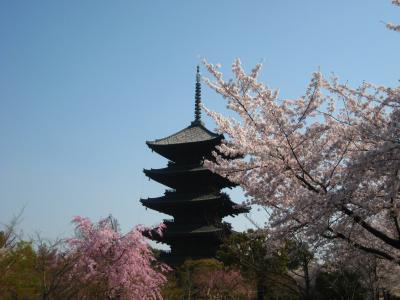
(340, 284)
(18, 277)
(54, 266)
(300, 265)
(207, 279)
(41, 273)
(268, 269)
(188, 271)
(172, 289)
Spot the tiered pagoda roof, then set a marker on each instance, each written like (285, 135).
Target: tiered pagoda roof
(187, 177)
(195, 201)
(187, 143)
(194, 133)
(173, 202)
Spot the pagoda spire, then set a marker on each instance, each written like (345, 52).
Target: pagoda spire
(197, 97)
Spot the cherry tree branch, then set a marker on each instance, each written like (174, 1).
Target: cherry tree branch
(374, 251)
(377, 233)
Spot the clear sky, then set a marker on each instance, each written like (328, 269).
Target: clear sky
(83, 85)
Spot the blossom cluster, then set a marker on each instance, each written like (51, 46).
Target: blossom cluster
(118, 265)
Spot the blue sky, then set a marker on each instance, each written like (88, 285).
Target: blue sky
(83, 85)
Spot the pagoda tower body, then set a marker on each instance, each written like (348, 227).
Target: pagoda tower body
(194, 198)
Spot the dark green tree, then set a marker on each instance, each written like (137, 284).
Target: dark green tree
(300, 259)
(268, 269)
(340, 285)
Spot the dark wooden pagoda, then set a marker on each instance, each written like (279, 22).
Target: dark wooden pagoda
(194, 200)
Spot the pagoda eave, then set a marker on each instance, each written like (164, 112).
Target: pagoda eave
(184, 151)
(170, 234)
(221, 204)
(212, 141)
(188, 177)
(194, 133)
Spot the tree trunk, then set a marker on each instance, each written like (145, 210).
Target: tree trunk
(260, 291)
(386, 295)
(306, 279)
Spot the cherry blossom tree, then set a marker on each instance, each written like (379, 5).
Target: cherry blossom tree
(112, 265)
(324, 165)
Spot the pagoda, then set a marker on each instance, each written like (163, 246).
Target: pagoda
(194, 198)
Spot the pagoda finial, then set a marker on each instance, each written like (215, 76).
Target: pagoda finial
(197, 108)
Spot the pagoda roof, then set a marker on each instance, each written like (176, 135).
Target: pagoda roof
(194, 133)
(172, 203)
(171, 197)
(175, 230)
(173, 169)
(187, 176)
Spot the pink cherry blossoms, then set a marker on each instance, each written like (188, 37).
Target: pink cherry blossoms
(115, 265)
(324, 165)
(392, 26)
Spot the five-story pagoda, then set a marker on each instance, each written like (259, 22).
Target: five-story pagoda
(194, 200)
